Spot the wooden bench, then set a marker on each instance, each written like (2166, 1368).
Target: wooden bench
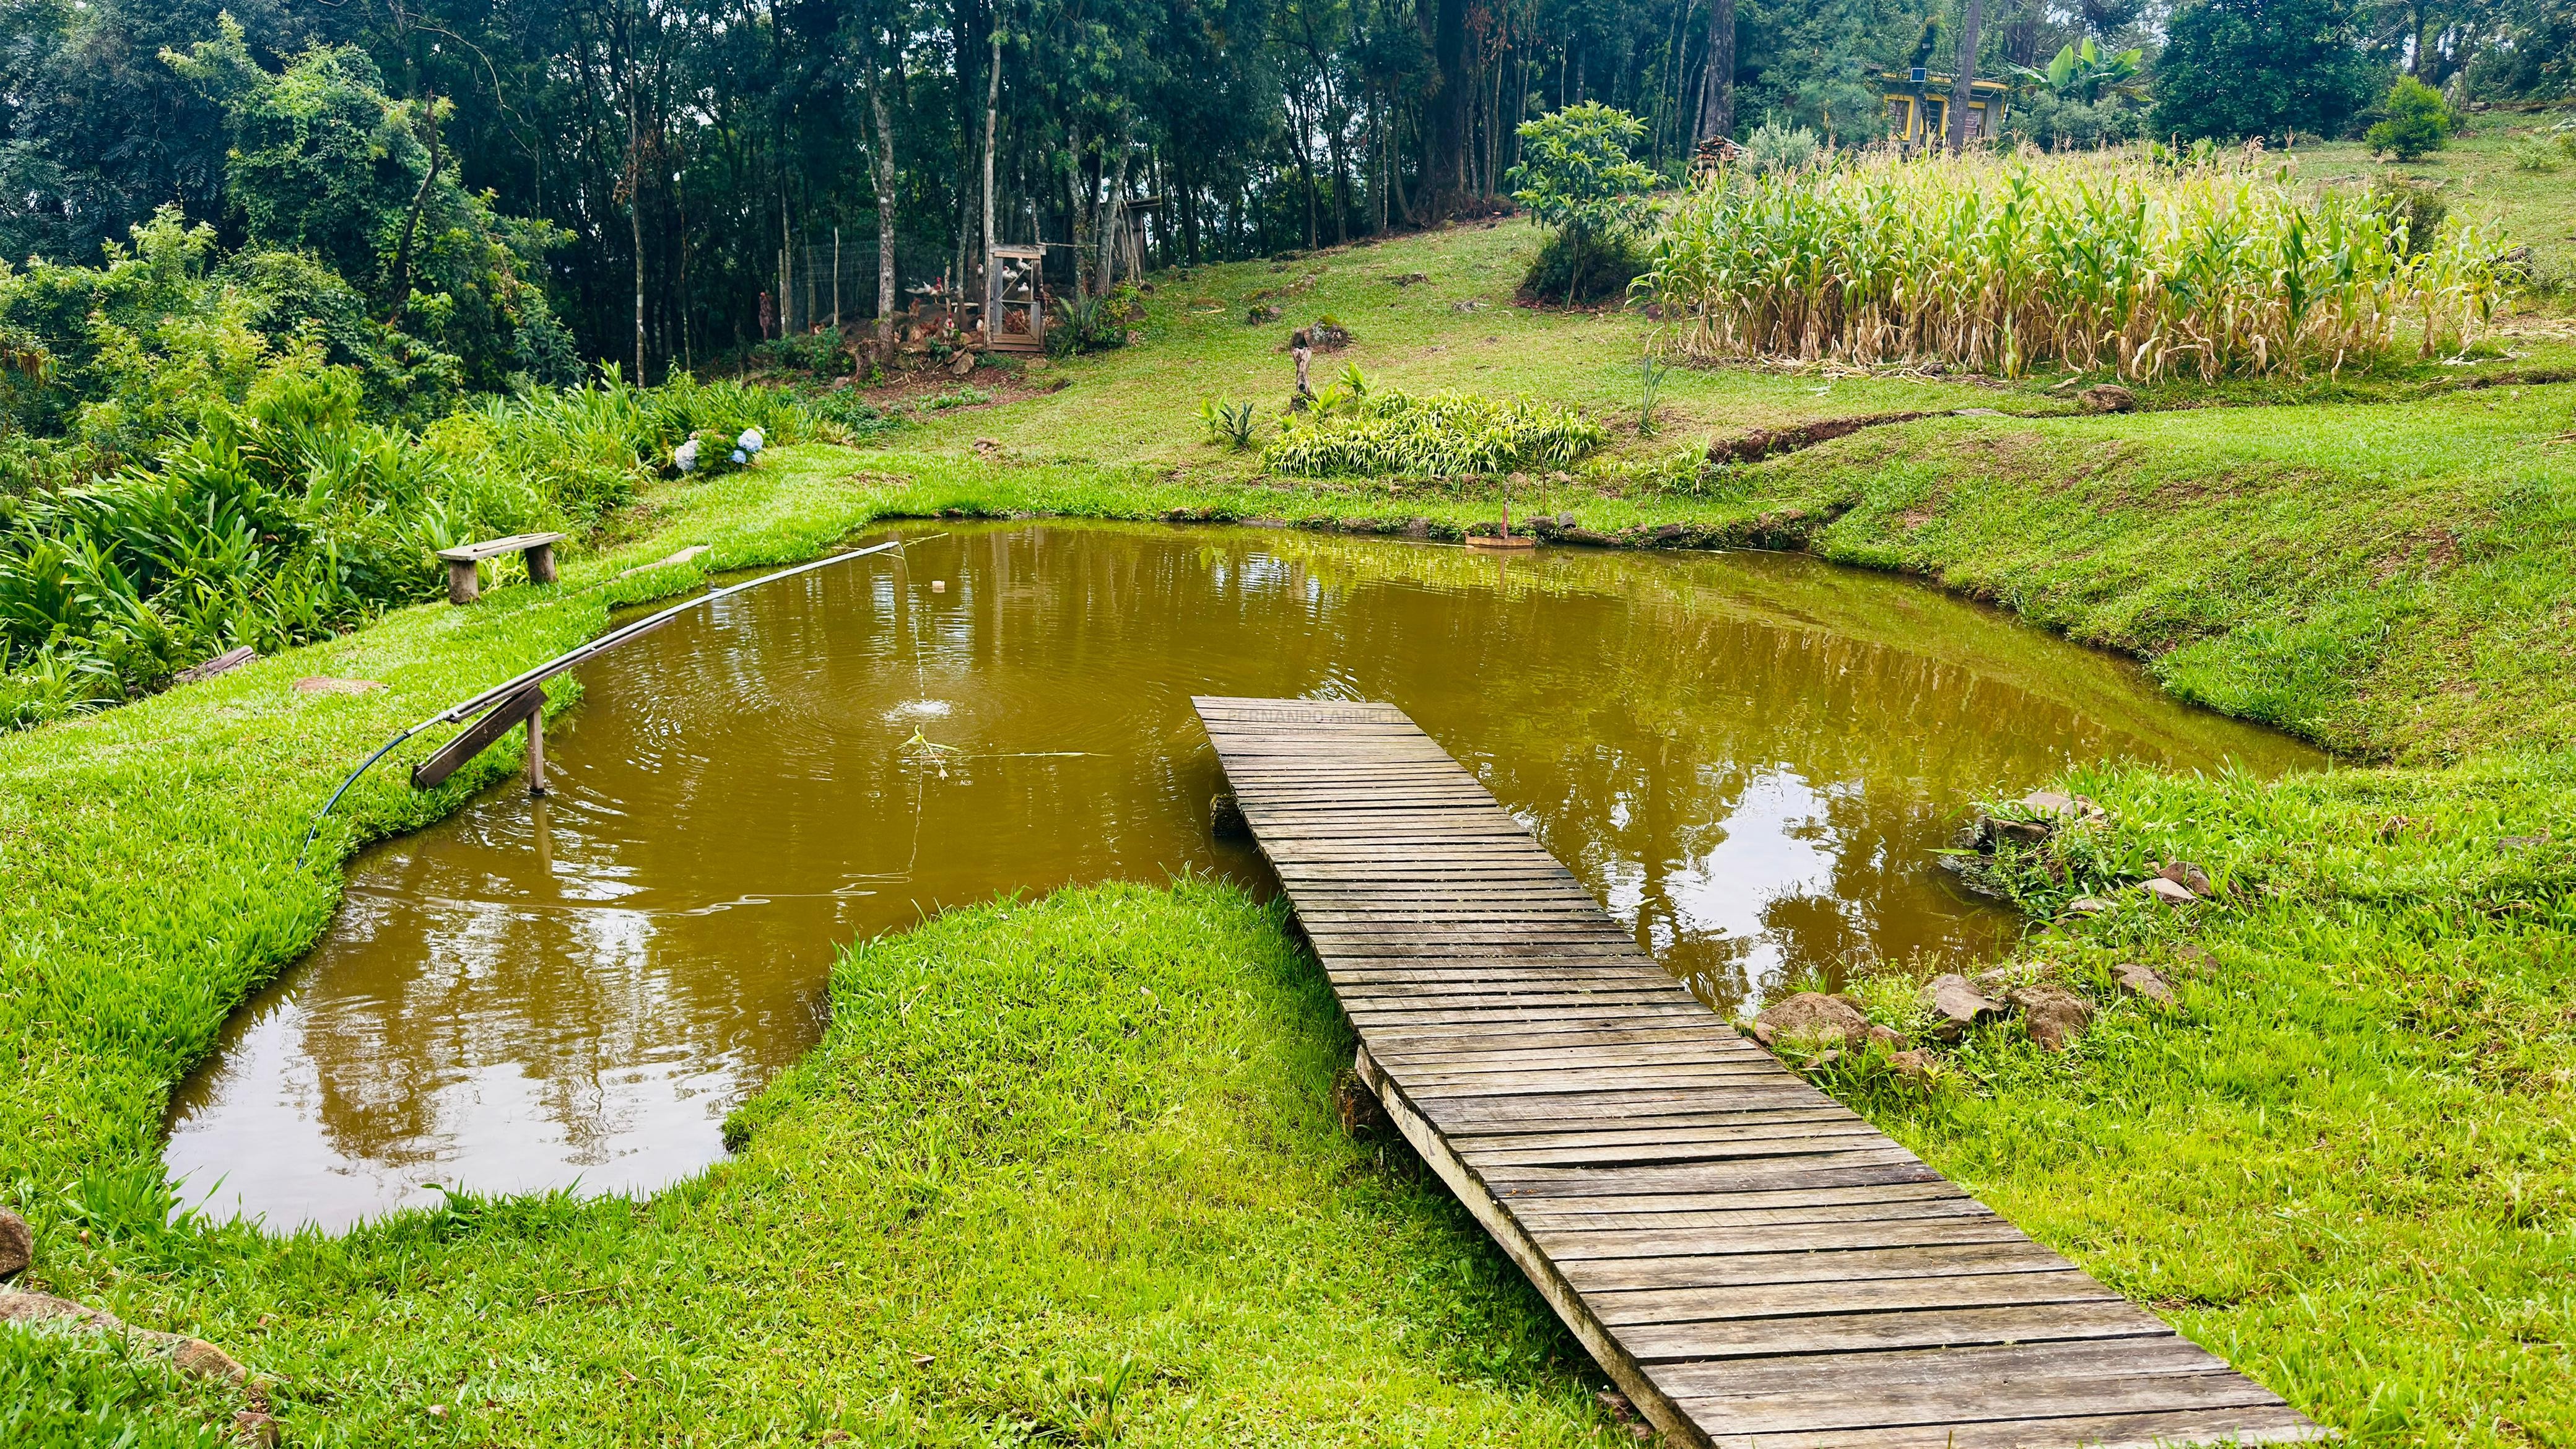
(464, 588)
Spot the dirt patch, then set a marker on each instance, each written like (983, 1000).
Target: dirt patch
(904, 390)
(1762, 443)
(2431, 552)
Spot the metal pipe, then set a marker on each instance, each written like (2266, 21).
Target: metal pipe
(567, 660)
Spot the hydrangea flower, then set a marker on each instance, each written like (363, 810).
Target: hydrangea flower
(751, 441)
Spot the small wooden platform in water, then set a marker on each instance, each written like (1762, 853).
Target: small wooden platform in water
(1751, 1262)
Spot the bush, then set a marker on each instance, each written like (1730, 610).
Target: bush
(2050, 120)
(2418, 122)
(2414, 213)
(1610, 264)
(1384, 433)
(1776, 148)
(1576, 174)
(824, 354)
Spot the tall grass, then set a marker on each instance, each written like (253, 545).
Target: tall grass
(2005, 263)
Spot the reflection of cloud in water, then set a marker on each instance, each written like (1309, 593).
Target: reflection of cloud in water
(1750, 759)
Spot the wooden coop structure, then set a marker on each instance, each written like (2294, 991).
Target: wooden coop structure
(1918, 106)
(1018, 323)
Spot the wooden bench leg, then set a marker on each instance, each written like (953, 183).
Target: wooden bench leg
(541, 564)
(461, 585)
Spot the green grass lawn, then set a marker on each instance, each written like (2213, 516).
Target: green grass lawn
(2345, 1163)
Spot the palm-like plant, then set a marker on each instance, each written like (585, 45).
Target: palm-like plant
(2087, 72)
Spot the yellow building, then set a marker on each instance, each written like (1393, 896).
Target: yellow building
(1918, 106)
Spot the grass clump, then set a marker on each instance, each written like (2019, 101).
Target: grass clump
(2003, 264)
(1389, 433)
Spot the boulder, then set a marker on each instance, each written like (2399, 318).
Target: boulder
(2051, 1016)
(1955, 1005)
(2088, 906)
(1225, 817)
(2108, 397)
(2167, 891)
(192, 1356)
(1999, 981)
(2189, 876)
(2141, 980)
(17, 1245)
(1810, 1016)
(1917, 1068)
(1887, 1037)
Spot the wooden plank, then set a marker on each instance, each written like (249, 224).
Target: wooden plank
(477, 737)
(1750, 1261)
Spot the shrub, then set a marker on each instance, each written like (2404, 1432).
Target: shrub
(1228, 422)
(2418, 123)
(1383, 433)
(1776, 148)
(2414, 213)
(1610, 264)
(2003, 264)
(1576, 174)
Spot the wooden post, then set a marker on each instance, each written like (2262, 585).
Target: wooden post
(537, 749)
(541, 564)
(461, 585)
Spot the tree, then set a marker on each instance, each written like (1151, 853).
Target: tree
(2418, 124)
(2261, 68)
(1963, 86)
(1717, 76)
(1577, 174)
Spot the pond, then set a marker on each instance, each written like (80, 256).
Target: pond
(1751, 759)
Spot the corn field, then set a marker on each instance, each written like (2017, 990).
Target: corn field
(2095, 262)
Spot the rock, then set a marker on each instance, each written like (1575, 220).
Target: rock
(2195, 960)
(1956, 1005)
(1259, 315)
(1887, 1037)
(192, 1356)
(251, 1426)
(1999, 981)
(2141, 980)
(325, 684)
(1225, 817)
(1810, 1016)
(2019, 832)
(2189, 876)
(2088, 906)
(2051, 1016)
(17, 1245)
(2166, 891)
(230, 659)
(1918, 1068)
(2108, 397)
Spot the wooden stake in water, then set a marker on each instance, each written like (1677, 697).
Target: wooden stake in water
(537, 751)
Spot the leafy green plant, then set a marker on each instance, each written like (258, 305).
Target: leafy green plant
(1576, 174)
(1776, 148)
(1651, 370)
(2419, 122)
(1229, 422)
(1445, 435)
(2087, 72)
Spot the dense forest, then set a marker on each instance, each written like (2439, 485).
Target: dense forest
(658, 181)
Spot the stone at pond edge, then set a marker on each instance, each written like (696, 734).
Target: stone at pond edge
(191, 1356)
(2051, 1016)
(1915, 1068)
(2141, 980)
(1956, 1004)
(2087, 906)
(1810, 1016)
(2167, 891)
(2189, 876)
(17, 1245)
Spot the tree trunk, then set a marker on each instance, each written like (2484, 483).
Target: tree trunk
(1444, 177)
(882, 163)
(992, 119)
(1963, 88)
(1717, 75)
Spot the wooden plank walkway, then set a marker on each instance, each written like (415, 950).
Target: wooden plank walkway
(1752, 1263)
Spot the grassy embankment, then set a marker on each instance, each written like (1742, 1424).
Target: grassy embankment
(2344, 1163)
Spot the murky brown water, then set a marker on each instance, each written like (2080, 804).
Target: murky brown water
(1750, 758)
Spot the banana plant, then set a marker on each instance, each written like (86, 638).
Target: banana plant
(2087, 72)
